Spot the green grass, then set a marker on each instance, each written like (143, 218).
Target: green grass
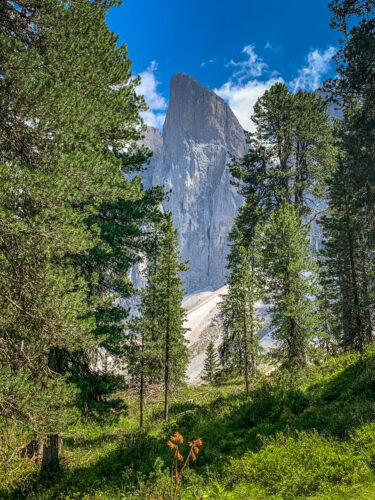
(299, 436)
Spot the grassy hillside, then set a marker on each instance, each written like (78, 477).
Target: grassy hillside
(310, 436)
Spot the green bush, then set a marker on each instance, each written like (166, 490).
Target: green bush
(363, 440)
(294, 467)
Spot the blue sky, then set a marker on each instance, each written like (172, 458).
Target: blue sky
(238, 48)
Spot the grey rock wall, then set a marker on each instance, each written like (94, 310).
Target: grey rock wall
(190, 159)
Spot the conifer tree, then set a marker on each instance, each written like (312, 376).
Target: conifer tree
(170, 313)
(348, 258)
(210, 366)
(290, 154)
(290, 157)
(291, 289)
(355, 20)
(240, 347)
(143, 332)
(347, 267)
(70, 221)
(158, 344)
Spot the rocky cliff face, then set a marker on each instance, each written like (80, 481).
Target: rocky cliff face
(190, 159)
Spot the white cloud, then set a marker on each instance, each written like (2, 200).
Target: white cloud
(210, 61)
(153, 119)
(242, 90)
(253, 66)
(310, 76)
(242, 97)
(155, 115)
(272, 48)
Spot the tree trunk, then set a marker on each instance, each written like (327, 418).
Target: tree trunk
(50, 456)
(166, 370)
(253, 360)
(51, 448)
(141, 389)
(166, 376)
(246, 345)
(358, 336)
(253, 354)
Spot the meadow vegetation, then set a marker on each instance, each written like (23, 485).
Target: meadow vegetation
(303, 435)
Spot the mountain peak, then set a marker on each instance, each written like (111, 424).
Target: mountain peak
(185, 83)
(197, 112)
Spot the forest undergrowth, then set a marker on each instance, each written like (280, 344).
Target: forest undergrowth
(294, 435)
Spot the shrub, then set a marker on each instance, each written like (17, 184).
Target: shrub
(294, 467)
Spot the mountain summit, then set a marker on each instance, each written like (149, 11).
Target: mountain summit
(190, 158)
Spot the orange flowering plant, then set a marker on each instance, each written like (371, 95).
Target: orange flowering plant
(176, 473)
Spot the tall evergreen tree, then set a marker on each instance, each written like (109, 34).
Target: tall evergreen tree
(291, 290)
(240, 347)
(170, 313)
(70, 221)
(348, 263)
(355, 19)
(145, 359)
(286, 169)
(348, 266)
(210, 366)
(290, 154)
(158, 344)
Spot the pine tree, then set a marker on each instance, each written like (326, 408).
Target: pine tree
(348, 263)
(291, 288)
(70, 221)
(355, 65)
(240, 347)
(356, 21)
(144, 351)
(170, 313)
(157, 338)
(348, 266)
(290, 154)
(210, 366)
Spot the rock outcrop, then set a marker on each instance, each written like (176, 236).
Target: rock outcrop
(190, 159)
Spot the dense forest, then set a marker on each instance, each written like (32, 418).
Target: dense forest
(93, 394)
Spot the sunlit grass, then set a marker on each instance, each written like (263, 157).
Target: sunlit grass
(305, 436)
